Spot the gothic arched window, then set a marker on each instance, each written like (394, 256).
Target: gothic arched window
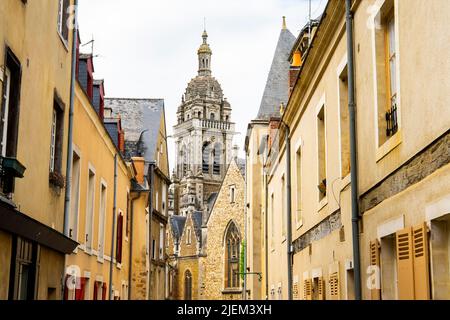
(205, 157)
(232, 253)
(187, 285)
(217, 156)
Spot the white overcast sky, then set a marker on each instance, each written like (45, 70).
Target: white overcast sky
(148, 48)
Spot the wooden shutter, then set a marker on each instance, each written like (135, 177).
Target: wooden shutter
(321, 289)
(307, 289)
(375, 294)
(119, 239)
(96, 285)
(405, 267)
(334, 286)
(104, 291)
(421, 262)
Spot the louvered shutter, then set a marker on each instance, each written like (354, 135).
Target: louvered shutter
(421, 263)
(334, 286)
(307, 289)
(375, 293)
(321, 289)
(405, 267)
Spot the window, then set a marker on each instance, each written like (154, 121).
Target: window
(161, 241)
(63, 17)
(213, 117)
(188, 235)
(217, 156)
(232, 255)
(157, 201)
(388, 268)
(10, 114)
(272, 219)
(205, 157)
(199, 114)
(128, 221)
(90, 211)
(164, 199)
(350, 279)
(322, 172)
(440, 268)
(75, 197)
(187, 285)
(283, 207)
(119, 238)
(24, 268)
(298, 168)
(386, 72)
(57, 132)
(153, 249)
(183, 161)
(232, 194)
(101, 225)
(344, 123)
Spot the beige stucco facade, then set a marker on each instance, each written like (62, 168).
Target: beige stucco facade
(402, 175)
(29, 36)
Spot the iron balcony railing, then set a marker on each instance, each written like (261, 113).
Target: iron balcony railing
(392, 120)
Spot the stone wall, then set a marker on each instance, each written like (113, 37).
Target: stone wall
(222, 214)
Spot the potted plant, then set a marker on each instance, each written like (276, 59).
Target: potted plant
(323, 186)
(57, 179)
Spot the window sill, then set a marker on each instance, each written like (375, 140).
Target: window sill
(322, 204)
(345, 182)
(389, 145)
(64, 42)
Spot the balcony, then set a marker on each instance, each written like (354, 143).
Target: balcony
(213, 124)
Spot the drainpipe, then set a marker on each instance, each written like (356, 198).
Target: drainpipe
(70, 138)
(244, 294)
(70, 129)
(150, 208)
(111, 269)
(266, 222)
(353, 151)
(288, 211)
(130, 258)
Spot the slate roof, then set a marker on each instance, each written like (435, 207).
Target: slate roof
(141, 122)
(177, 225)
(197, 221)
(277, 85)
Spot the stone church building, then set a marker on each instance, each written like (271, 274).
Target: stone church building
(204, 153)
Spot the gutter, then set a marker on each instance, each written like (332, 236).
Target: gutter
(266, 222)
(152, 166)
(288, 212)
(353, 151)
(244, 292)
(111, 263)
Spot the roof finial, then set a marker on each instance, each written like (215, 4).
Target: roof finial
(284, 23)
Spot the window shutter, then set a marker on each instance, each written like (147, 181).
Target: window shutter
(307, 289)
(405, 267)
(375, 294)
(295, 288)
(421, 262)
(119, 239)
(321, 289)
(96, 285)
(65, 18)
(104, 291)
(334, 286)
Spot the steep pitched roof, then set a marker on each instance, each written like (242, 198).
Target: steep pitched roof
(177, 225)
(197, 221)
(141, 120)
(277, 85)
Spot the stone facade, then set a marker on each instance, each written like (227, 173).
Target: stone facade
(224, 213)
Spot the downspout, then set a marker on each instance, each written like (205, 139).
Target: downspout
(111, 269)
(70, 137)
(353, 151)
(244, 294)
(70, 126)
(130, 259)
(266, 222)
(150, 234)
(288, 211)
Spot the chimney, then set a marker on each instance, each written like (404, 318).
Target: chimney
(274, 124)
(139, 166)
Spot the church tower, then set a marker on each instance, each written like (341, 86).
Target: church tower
(203, 139)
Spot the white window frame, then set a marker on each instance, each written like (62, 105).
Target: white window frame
(77, 152)
(103, 205)
(90, 210)
(321, 105)
(299, 202)
(53, 140)
(6, 96)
